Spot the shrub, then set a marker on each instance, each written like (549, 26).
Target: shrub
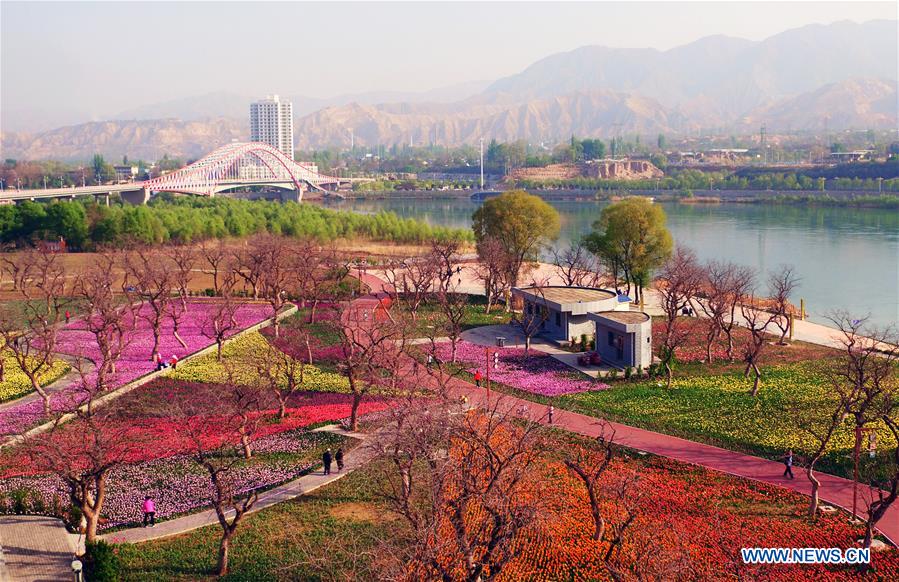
(627, 373)
(101, 563)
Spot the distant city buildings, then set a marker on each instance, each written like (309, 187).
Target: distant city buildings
(271, 122)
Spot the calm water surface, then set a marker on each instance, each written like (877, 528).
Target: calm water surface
(847, 258)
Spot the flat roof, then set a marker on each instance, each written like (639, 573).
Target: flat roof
(626, 317)
(564, 295)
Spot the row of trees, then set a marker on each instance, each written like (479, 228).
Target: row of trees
(87, 226)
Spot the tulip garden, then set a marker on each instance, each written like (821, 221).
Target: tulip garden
(691, 525)
(537, 373)
(15, 384)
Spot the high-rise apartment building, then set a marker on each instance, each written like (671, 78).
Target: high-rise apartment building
(271, 122)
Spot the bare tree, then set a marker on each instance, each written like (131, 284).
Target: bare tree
(221, 321)
(781, 285)
(365, 344)
(411, 281)
(278, 274)
(725, 285)
(590, 468)
(216, 256)
(150, 282)
(679, 281)
(248, 261)
(29, 332)
(444, 255)
(108, 319)
(864, 377)
(576, 266)
(183, 258)
(821, 429)
(493, 270)
(280, 374)
(84, 450)
(457, 480)
(533, 314)
(756, 321)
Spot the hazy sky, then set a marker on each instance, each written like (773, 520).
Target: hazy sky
(95, 59)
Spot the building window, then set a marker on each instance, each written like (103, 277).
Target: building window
(611, 339)
(558, 319)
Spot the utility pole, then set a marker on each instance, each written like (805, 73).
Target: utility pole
(482, 163)
(763, 143)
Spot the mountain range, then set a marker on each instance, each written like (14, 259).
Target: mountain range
(842, 74)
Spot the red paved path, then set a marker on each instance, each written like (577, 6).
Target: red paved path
(833, 490)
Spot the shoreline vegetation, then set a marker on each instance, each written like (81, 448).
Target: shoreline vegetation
(87, 225)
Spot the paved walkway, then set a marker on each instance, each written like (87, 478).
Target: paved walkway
(34, 549)
(353, 459)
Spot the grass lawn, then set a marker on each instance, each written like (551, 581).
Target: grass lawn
(297, 540)
(717, 409)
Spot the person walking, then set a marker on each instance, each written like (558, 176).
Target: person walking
(338, 456)
(68, 316)
(552, 409)
(477, 378)
(149, 508)
(157, 361)
(326, 461)
(174, 361)
(430, 360)
(788, 464)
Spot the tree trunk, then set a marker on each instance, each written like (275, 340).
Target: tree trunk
(282, 406)
(245, 446)
(42, 393)
(224, 546)
(178, 337)
(668, 373)
(730, 347)
(312, 311)
(813, 502)
(218, 350)
(527, 345)
(756, 381)
(354, 412)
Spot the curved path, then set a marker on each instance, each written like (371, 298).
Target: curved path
(834, 490)
(353, 459)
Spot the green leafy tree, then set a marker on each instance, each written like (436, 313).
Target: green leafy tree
(631, 238)
(522, 224)
(68, 221)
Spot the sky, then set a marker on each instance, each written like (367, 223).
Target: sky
(66, 61)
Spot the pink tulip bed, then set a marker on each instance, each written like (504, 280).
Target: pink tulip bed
(75, 340)
(537, 373)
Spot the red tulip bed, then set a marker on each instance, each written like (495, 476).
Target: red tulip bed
(157, 461)
(75, 340)
(691, 526)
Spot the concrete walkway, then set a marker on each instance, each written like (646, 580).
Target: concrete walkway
(353, 459)
(35, 548)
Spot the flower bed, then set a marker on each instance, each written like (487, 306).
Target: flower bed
(537, 373)
(241, 353)
(16, 384)
(135, 362)
(176, 483)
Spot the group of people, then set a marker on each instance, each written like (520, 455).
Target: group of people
(337, 457)
(162, 364)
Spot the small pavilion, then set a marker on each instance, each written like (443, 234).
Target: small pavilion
(623, 336)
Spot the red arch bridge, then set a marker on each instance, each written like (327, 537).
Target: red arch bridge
(233, 166)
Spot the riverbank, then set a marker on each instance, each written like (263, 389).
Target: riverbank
(838, 198)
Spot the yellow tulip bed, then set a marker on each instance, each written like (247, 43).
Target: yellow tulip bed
(718, 409)
(238, 355)
(16, 384)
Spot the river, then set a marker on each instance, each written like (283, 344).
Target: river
(847, 258)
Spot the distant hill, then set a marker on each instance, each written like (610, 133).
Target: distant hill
(138, 139)
(858, 103)
(554, 118)
(845, 71)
